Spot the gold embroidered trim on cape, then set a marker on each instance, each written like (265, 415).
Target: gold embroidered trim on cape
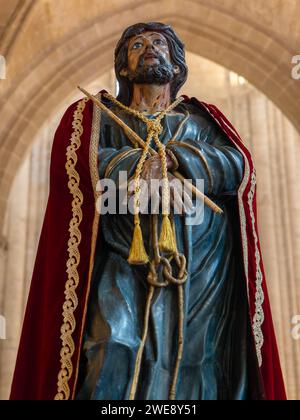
(258, 317)
(71, 301)
(243, 217)
(94, 173)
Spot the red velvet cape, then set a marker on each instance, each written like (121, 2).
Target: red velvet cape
(49, 351)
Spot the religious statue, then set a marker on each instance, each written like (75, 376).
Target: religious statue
(143, 305)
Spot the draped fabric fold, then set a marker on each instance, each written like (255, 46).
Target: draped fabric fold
(51, 343)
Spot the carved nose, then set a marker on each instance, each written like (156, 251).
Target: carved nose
(149, 45)
(150, 49)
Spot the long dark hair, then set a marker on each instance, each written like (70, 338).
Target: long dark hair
(177, 56)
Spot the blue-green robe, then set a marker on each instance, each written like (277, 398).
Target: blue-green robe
(215, 363)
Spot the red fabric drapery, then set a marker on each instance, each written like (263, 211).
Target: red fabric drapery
(38, 361)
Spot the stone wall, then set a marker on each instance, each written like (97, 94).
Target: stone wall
(275, 145)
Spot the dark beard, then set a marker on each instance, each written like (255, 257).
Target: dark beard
(158, 74)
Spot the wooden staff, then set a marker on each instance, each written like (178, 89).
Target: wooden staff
(140, 141)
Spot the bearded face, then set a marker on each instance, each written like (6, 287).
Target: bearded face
(159, 74)
(149, 60)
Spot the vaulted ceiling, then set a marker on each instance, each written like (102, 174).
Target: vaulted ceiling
(50, 47)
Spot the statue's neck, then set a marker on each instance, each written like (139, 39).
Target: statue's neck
(150, 98)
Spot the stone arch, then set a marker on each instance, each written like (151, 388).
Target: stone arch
(237, 37)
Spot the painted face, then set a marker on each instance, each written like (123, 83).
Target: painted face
(148, 45)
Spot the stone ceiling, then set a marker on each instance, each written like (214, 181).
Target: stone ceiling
(51, 47)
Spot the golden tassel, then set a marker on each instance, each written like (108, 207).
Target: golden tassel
(167, 241)
(137, 254)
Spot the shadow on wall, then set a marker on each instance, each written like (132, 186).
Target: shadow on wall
(2, 328)
(2, 68)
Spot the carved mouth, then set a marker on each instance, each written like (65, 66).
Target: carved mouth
(150, 56)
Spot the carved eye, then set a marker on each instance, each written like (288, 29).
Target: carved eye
(158, 41)
(137, 45)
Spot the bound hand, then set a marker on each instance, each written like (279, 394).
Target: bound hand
(180, 200)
